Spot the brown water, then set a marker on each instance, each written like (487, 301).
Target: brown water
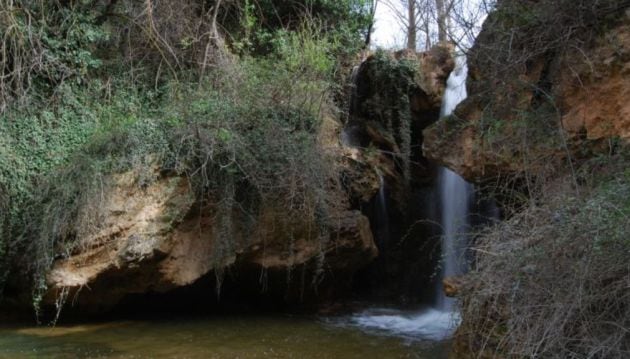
(223, 337)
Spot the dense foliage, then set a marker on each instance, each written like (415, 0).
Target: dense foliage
(91, 88)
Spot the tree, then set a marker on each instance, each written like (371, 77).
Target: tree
(442, 14)
(371, 5)
(412, 30)
(421, 17)
(438, 20)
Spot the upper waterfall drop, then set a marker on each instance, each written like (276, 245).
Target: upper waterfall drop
(455, 91)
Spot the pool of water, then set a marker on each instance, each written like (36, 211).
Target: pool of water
(213, 337)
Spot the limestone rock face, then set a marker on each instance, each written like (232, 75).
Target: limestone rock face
(394, 97)
(434, 66)
(156, 239)
(558, 104)
(595, 101)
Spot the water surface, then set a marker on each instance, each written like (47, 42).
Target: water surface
(222, 337)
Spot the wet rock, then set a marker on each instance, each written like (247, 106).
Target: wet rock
(452, 286)
(395, 96)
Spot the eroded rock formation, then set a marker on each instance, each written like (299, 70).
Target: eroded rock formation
(394, 96)
(156, 239)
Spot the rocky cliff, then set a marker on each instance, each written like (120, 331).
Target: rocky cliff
(394, 96)
(536, 105)
(158, 238)
(545, 125)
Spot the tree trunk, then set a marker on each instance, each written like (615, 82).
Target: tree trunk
(412, 31)
(368, 36)
(441, 20)
(427, 31)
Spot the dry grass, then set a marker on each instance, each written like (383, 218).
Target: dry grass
(554, 280)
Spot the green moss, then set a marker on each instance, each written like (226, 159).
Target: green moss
(393, 82)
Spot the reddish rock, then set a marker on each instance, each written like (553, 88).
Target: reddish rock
(585, 93)
(452, 286)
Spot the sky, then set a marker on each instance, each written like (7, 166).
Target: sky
(389, 35)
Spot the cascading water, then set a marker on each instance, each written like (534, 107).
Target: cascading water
(455, 91)
(348, 136)
(455, 195)
(382, 214)
(439, 322)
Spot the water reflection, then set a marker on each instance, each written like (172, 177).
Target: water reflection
(223, 337)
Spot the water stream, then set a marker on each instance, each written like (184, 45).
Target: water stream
(455, 195)
(382, 214)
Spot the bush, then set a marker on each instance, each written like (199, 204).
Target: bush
(349, 21)
(244, 135)
(45, 43)
(553, 280)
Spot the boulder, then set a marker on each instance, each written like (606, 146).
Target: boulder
(452, 286)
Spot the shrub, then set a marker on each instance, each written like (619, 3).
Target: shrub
(44, 44)
(552, 281)
(244, 135)
(91, 88)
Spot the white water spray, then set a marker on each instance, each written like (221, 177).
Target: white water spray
(455, 91)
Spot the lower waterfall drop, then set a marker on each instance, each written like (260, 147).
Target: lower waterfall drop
(382, 237)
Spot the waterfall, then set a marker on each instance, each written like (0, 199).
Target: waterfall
(382, 215)
(348, 133)
(455, 195)
(352, 106)
(439, 322)
(455, 87)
